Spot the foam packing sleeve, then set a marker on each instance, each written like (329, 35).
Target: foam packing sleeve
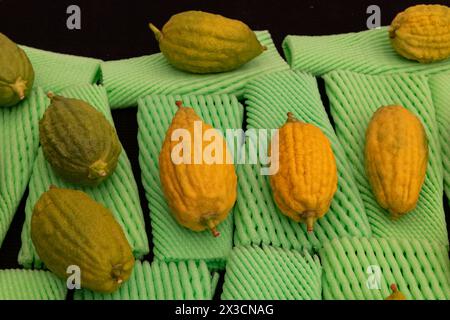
(171, 241)
(257, 217)
(364, 269)
(353, 100)
(128, 80)
(368, 52)
(183, 280)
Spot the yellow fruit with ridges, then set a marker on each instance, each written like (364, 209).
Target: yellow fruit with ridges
(201, 42)
(68, 228)
(396, 157)
(306, 180)
(200, 192)
(422, 33)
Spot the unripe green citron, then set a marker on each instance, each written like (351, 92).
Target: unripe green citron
(78, 141)
(68, 228)
(16, 73)
(201, 42)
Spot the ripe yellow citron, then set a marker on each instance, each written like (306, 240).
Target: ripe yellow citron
(422, 33)
(306, 180)
(396, 157)
(199, 194)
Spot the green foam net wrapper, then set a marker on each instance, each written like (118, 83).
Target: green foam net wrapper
(258, 219)
(173, 242)
(367, 52)
(440, 88)
(128, 80)
(19, 143)
(364, 269)
(353, 100)
(56, 71)
(270, 273)
(184, 280)
(18, 284)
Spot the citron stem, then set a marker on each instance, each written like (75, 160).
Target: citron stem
(310, 222)
(213, 228)
(98, 170)
(117, 273)
(215, 233)
(179, 104)
(158, 34)
(291, 117)
(50, 95)
(392, 33)
(19, 87)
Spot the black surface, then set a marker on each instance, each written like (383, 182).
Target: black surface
(118, 29)
(314, 309)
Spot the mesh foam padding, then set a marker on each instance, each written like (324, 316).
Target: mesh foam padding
(257, 218)
(440, 88)
(171, 241)
(56, 71)
(184, 280)
(127, 80)
(420, 269)
(270, 273)
(353, 100)
(118, 193)
(30, 285)
(19, 142)
(367, 52)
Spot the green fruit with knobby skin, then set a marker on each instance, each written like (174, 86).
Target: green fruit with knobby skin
(78, 141)
(68, 228)
(16, 73)
(202, 42)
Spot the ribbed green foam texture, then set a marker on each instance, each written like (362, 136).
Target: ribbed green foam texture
(270, 273)
(171, 241)
(420, 269)
(440, 88)
(257, 218)
(353, 99)
(30, 285)
(19, 142)
(56, 71)
(127, 80)
(185, 280)
(367, 52)
(118, 193)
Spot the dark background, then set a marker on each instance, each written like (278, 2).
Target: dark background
(119, 29)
